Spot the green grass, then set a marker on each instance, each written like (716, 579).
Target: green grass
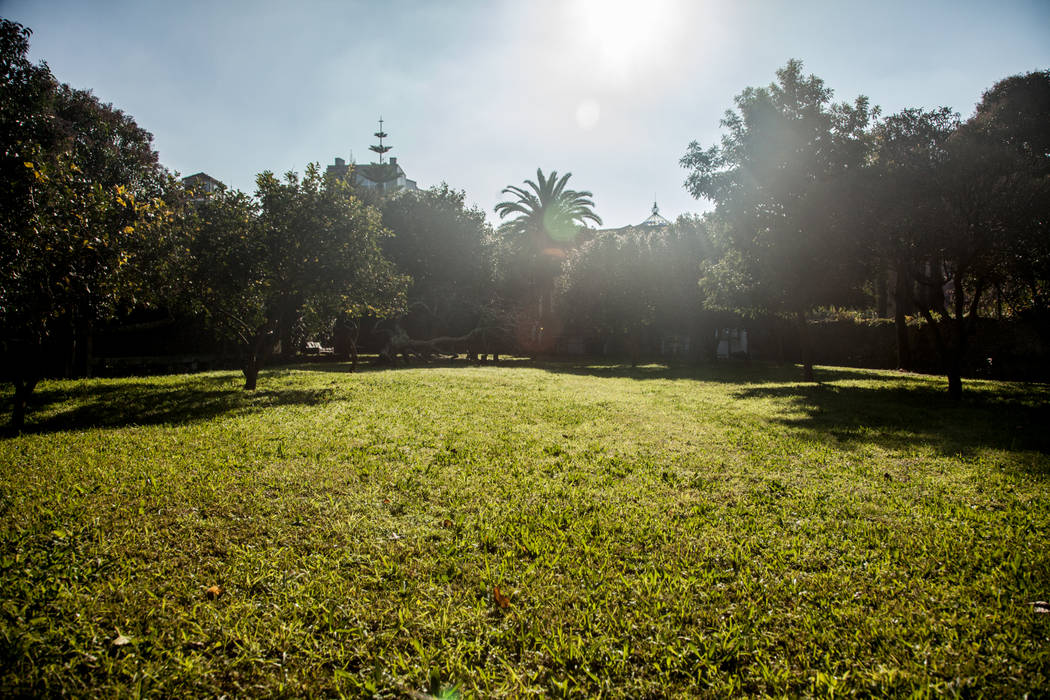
(659, 531)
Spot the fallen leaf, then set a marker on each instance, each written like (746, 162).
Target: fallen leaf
(121, 641)
(501, 600)
(214, 592)
(446, 523)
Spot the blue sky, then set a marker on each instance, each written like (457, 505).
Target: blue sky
(480, 94)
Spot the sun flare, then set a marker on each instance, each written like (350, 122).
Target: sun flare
(623, 36)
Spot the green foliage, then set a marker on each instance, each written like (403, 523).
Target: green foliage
(445, 248)
(323, 248)
(546, 220)
(1015, 114)
(82, 202)
(815, 202)
(959, 209)
(300, 255)
(546, 211)
(656, 532)
(774, 180)
(225, 275)
(625, 281)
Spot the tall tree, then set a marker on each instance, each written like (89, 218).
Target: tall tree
(910, 149)
(444, 246)
(305, 252)
(1015, 112)
(636, 281)
(776, 181)
(961, 212)
(990, 224)
(224, 278)
(26, 100)
(81, 207)
(546, 217)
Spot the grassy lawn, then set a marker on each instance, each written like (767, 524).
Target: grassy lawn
(529, 529)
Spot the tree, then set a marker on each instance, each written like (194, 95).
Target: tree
(445, 248)
(1015, 113)
(25, 103)
(777, 180)
(635, 281)
(80, 206)
(301, 254)
(546, 220)
(225, 278)
(989, 229)
(903, 199)
(961, 212)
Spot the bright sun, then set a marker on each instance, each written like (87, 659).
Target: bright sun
(622, 36)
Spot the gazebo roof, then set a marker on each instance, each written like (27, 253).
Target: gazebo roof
(655, 219)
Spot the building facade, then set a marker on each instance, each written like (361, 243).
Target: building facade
(381, 177)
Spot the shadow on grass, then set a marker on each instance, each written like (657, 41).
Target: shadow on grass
(192, 399)
(729, 371)
(892, 409)
(889, 409)
(371, 365)
(989, 416)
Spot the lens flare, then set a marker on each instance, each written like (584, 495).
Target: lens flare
(587, 114)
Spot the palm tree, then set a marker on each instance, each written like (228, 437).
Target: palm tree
(550, 216)
(548, 210)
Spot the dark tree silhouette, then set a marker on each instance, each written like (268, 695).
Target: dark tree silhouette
(776, 180)
(546, 218)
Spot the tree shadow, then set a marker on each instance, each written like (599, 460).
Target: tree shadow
(370, 365)
(196, 398)
(721, 371)
(725, 371)
(910, 413)
(892, 409)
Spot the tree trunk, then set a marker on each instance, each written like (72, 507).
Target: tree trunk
(803, 341)
(261, 346)
(778, 328)
(251, 373)
(289, 315)
(881, 293)
(633, 348)
(954, 384)
(88, 347)
(901, 306)
(286, 349)
(951, 347)
(23, 390)
(900, 322)
(82, 346)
